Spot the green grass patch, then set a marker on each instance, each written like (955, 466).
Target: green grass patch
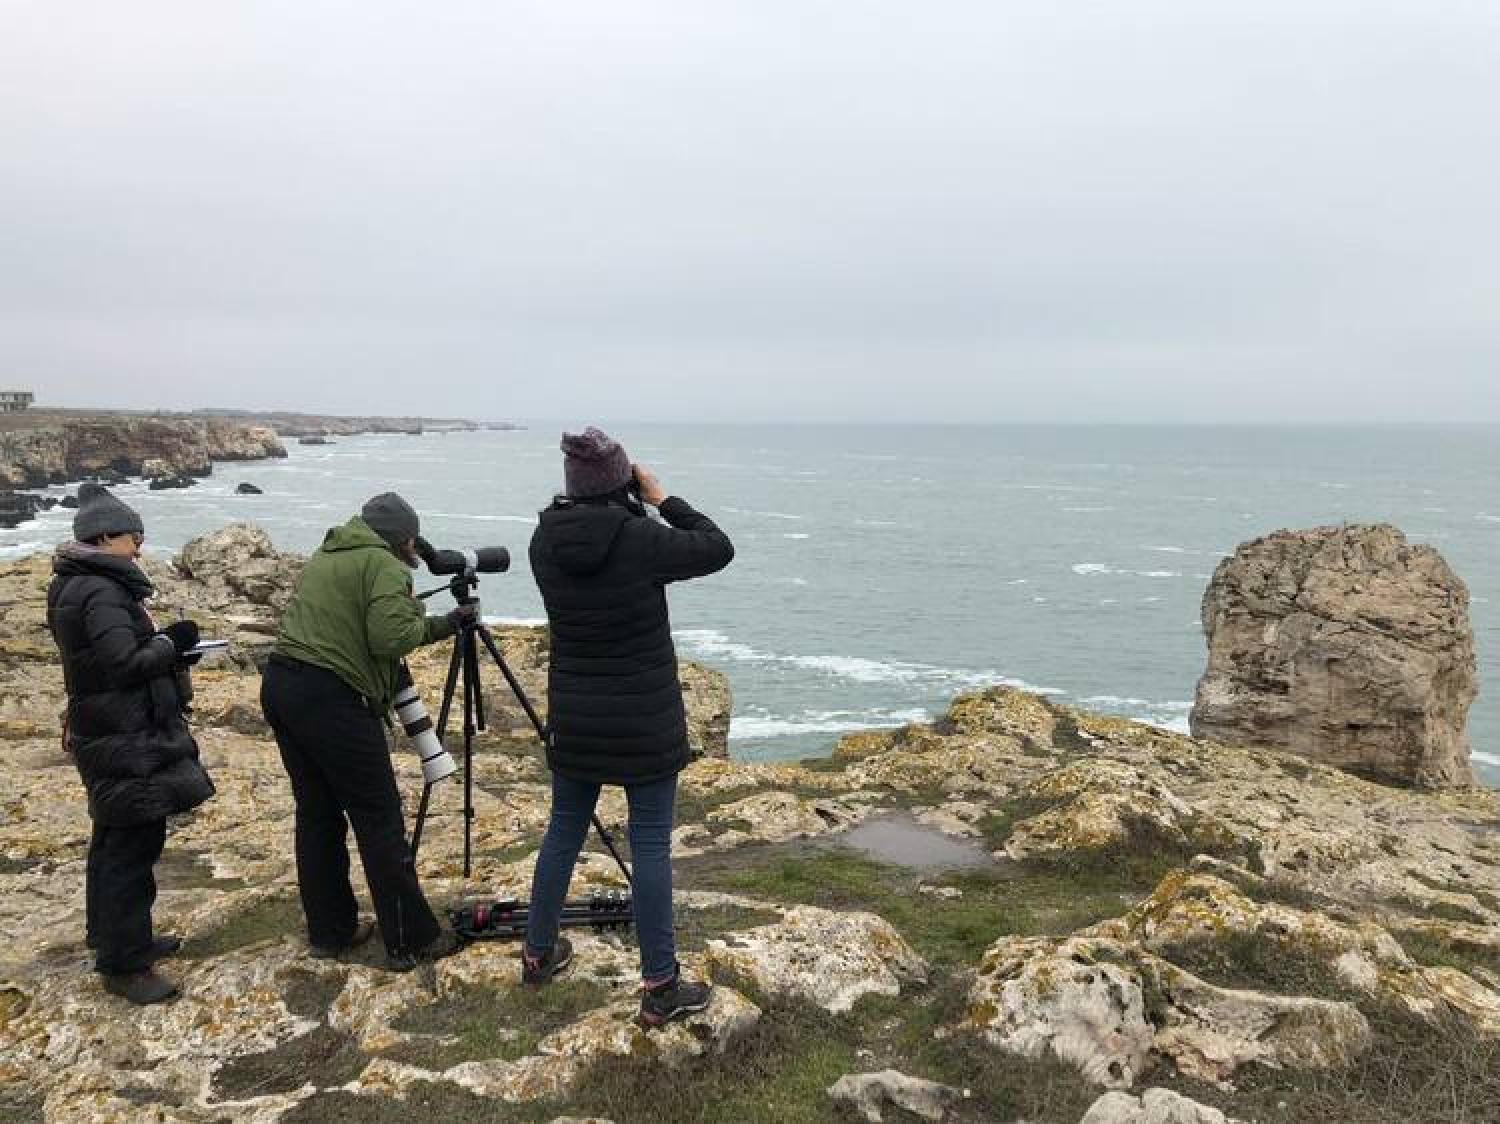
(480, 1024)
(310, 994)
(1243, 960)
(1005, 898)
(695, 927)
(435, 1102)
(1443, 952)
(268, 919)
(1415, 1072)
(323, 1056)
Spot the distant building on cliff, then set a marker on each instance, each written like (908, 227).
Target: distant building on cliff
(15, 401)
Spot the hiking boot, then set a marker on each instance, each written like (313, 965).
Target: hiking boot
(362, 931)
(445, 944)
(141, 988)
(537, 972)
(672, 1000)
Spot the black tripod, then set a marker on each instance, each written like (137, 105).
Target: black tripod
(465, 662)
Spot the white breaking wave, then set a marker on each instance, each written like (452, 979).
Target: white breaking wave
(1485, 758)
(1488, 518)
(756, 727)
(796, 536)
(1085, 569)
(765, 514)
(711, 644)
(1171, 715)
(527, 519)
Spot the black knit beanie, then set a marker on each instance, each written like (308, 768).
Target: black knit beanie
(392, 518)
(100, 513)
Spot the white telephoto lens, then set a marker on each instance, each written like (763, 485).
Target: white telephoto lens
(437, 762)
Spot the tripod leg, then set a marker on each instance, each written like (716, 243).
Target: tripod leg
(416, 834)
(473, 719)
(541, 732)
(450, 685)
(515, 686)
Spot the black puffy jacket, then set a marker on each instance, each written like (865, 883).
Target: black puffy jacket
(126, 728)
(615, 712)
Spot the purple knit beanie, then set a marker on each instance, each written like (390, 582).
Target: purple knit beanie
(593, 463)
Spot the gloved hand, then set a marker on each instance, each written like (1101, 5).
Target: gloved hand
(182, 634)
(465, 616)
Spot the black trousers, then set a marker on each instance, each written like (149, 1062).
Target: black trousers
(335, 753)
(119, 891)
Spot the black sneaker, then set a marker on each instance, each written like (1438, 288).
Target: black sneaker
(558, 957)
(141, 988)
(445, 944)
(362, 931)
(673, 1000)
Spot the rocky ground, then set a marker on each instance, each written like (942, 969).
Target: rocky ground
(1020, 912)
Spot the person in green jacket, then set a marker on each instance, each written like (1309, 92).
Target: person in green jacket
(326, 692)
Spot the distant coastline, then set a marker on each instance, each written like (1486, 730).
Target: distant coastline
(42, 448)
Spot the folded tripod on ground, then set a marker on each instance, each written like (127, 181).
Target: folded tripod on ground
(505, 917)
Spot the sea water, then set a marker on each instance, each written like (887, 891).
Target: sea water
(880, 570)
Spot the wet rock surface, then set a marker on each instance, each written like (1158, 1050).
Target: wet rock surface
(1131, 925)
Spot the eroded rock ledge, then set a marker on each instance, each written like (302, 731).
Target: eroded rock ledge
(1169, 929)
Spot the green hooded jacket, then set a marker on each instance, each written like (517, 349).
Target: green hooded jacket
(354, 614)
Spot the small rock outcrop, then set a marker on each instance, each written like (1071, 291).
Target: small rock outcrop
(870, 1094)
(1154, 1106)
(247, 489)
(1347, 645)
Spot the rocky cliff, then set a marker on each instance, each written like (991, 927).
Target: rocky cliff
(38, 455)
(1021, 911)
(1347, 645)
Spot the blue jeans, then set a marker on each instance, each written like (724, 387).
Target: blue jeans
(650, 835)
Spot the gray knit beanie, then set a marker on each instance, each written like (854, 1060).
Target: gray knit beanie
(100, 513)
(594, 464)
(392, 518)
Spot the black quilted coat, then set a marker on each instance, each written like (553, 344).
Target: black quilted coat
(126, 726)
(615, 710)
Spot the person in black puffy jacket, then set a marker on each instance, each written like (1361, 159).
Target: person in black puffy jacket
(127, 731)
(615, 710)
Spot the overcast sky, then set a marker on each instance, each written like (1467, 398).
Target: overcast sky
(991, 211)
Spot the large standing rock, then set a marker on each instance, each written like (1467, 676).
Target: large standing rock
(1347, 645)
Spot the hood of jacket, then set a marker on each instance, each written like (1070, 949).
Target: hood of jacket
(354, 535)
(579, 537)
(77, 559)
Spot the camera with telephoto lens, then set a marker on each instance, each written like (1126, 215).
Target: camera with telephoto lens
(437, 762)
(482, 560)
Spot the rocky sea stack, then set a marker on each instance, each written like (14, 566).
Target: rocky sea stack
(1148, 928)
(1347, 645)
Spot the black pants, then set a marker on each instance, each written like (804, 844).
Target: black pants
(119, 891)
(335, 753)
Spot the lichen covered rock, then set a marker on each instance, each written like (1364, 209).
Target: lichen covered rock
(827, 958)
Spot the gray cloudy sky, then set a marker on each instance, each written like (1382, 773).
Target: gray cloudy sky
(1023, 210)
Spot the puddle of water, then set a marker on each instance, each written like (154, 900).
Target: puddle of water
(903, 841)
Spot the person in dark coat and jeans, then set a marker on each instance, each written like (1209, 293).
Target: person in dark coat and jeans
(615, 710)
(126, 729)
(326, 691)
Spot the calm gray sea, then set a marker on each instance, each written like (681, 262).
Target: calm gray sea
(881, 570)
